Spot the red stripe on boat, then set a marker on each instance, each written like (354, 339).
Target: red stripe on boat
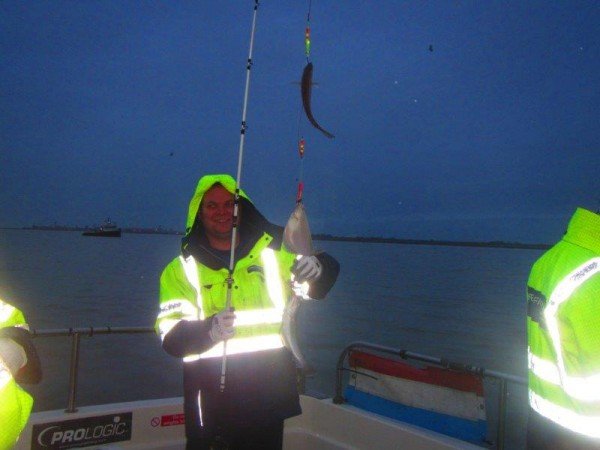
(467, 382)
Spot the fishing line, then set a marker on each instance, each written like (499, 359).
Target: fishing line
(236, 197)
(300, 139)
(307, 33)
(306, 82)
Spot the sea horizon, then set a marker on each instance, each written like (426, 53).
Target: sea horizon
(315, 236)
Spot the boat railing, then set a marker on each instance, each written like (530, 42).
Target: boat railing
(501, 378)
(75, 334)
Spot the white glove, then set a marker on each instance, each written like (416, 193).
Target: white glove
(222, 326)
(307, 268)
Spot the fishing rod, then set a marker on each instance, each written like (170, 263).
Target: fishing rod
(236, 197)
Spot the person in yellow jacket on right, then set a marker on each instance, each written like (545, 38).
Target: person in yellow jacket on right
(563, 328)
(19, 363)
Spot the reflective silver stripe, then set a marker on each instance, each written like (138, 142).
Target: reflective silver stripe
(543, 368)
(263, 316)
(276, 294)
(165, 325)
(273, 278)
(6, 311)
(193, 276)
(5, 375)
(240, 345)
(178, 305)
(199, 399)
(586, 389)
(579, 423)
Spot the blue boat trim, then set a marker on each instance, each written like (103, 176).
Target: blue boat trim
(464, 429)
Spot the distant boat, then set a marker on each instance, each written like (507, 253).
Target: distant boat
(107, 229)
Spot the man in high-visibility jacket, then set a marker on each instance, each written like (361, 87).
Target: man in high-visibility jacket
(18, 363)
(260, 386)
(563, 327)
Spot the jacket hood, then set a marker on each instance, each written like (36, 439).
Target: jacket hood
(584, 229)
(204, 184)
(252, 224)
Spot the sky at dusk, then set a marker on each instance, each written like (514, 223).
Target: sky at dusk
(459, 120)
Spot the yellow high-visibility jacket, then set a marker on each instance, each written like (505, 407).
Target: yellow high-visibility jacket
(261, 377)
(15, 403)
(563, 326)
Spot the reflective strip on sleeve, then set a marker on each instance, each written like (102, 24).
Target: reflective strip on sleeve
(180, 309)
(587, 425)
(179, 306)
(586, 388)
(5, 375)
(542, 368)
(6, 311)
(165, 326)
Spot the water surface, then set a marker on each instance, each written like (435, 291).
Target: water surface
(463, 303)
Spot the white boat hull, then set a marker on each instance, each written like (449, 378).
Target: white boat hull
(158, 425)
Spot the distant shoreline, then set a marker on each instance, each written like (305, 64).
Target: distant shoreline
(495, 244)
(321, 237)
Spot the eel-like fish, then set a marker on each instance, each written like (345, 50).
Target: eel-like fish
(306, 87)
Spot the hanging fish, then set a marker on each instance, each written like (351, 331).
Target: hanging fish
(289, 332)
(306, 87)
(296, 234)
(297, 238)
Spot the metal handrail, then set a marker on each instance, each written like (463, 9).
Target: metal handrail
(502, 378)
(75, 334)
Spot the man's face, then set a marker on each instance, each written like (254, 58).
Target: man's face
(216, 213)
